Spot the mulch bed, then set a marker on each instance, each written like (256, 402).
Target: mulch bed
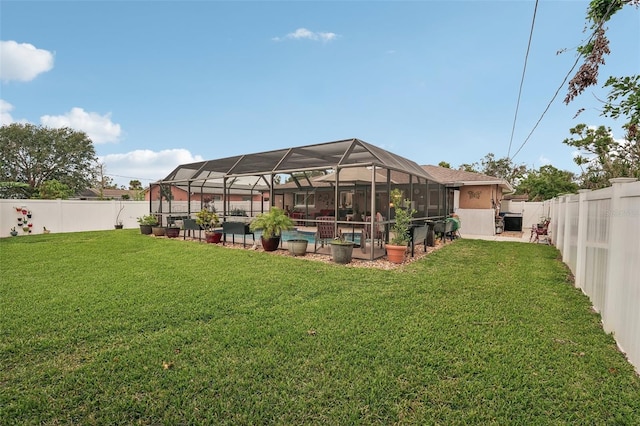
(380, 263)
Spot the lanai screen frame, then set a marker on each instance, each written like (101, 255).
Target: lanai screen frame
(256, 173)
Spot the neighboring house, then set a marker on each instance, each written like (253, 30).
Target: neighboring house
(476, 197)
(107, 194)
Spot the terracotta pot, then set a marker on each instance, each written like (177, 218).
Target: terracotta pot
(396, 254)
(213, 237)
(270, 244)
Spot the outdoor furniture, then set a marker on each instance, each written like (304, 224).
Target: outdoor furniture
(298, 217)
(236, 228)
(189, 225)
(419, 235)
(444, 229)
(540, 232)
(378, 229)
(325, 230)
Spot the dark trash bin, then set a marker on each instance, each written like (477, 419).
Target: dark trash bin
(513, 222)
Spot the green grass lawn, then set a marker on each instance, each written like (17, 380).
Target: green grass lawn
(119, 328)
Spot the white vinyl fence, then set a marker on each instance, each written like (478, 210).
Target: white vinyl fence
(84, 215)
(598, 234)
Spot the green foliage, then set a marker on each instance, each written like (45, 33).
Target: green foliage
(148, 220)
(403, 214)
(602, 157)
(456, 338)
(53, 189)
(14, 190)
(502, 168)
(546, 183)
(444, 164)
(600, 11)
(207, 219)
(597, 45)
(272, 223)
(165, 193)
(238, 212)
(135, 185)
(624, 101)
(35, 154)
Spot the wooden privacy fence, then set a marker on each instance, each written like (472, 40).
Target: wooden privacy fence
(598, 234)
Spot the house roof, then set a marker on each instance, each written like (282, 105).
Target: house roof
(453, 177)
(253, 171)
(107, 193)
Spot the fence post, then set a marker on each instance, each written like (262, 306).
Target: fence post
(562, 202)
(582, 238)
(566, 238)
(614, 298)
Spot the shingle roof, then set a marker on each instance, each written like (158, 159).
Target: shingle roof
(448, 176)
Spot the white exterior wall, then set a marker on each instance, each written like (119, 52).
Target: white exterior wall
(477, 221)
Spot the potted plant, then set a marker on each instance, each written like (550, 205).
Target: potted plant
(118, 224)
(146, 222)
(341, 250)
(209, 221)
(14, 233)
(397, 247)
(297, 247)
(172, 231)
(271, 223)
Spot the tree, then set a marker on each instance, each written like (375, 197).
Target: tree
(601, 157)
(473, 167)
(135, 185)
(13, 189)
(53, 189)
(502, 168)
(596, 47)
(35, 154)
(546, 183)
(627, 89)
(444, 164)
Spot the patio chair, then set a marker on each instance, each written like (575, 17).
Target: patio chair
(540, 232)
(325, 230)
(189, 225)
(378, 229)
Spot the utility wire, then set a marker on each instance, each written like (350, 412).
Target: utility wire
(600, 24)
(524, 69)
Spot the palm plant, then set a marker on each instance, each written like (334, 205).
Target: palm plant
(272, 223)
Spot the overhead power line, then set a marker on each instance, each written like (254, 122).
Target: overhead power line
(524, 70)
(555, 95)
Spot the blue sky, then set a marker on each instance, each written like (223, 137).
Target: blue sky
(159, 83)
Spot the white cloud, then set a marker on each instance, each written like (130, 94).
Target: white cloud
(5, 113)
(98, 127)
(305, 34)
(145, 165)
(544, 160)
(23, 61)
